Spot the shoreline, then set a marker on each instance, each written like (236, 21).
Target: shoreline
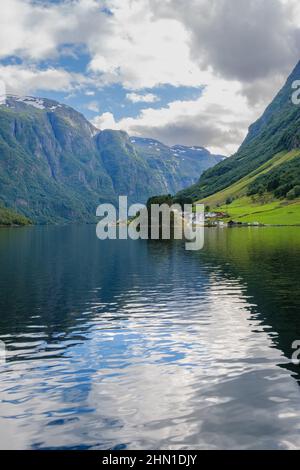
(217, 225)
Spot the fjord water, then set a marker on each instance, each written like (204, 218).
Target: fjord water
(143, 345)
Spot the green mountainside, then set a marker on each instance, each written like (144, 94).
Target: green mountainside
(264, 175)
(55, 166)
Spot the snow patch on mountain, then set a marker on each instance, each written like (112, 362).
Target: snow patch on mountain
(35, 102)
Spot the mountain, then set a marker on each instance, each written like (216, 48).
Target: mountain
(55, 166)
(265, 169)
(177, 163)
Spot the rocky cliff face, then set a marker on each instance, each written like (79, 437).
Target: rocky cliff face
(55, 166)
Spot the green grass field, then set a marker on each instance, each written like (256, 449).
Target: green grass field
(270, 213)
(265, 210)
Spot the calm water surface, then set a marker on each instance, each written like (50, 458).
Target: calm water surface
(143, 345)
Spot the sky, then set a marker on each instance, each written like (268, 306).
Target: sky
(190, 72)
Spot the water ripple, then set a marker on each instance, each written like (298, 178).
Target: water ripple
(149, 347)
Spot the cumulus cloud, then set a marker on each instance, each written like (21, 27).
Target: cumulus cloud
(106, 121)
(240, 50)
(144, 52)
(213, 120)
(143, 43)
(37, 30)
(23, 80)
(127, 47)
(245, 40)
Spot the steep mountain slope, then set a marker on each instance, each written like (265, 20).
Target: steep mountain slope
(178, 163)
(278, 130)
(55, 166)
(250, 184)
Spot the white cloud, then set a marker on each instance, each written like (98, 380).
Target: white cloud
(23, 80)
(213, 120)
(93, 106)
(245, 40)
(138, 98)
(240, 49)
(130, 47)
(140, 52)
(148, 42)
(106, 121)
(36, 31)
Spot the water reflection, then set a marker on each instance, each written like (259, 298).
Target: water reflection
(144, 345)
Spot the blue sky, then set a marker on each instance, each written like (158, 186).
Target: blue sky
(109, 98)
(113, 99)
(193, 74)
